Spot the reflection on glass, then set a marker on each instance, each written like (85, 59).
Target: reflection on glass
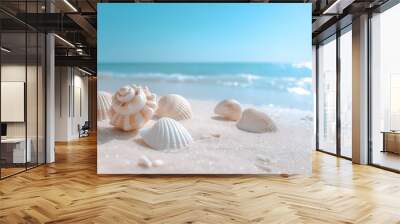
(386, 89)
(327, 96)
(31, 97)
(41, 99)
(346, 93)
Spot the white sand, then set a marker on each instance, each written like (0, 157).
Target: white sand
(234, 152)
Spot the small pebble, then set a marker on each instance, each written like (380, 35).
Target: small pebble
(145, 162)
(158, 162)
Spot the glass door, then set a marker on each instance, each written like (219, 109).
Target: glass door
(346, 92)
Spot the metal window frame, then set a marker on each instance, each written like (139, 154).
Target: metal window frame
(387, 5)
(339, 32)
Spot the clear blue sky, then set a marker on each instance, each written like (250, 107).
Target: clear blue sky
(204, 32)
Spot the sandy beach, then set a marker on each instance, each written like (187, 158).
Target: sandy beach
(219, 147)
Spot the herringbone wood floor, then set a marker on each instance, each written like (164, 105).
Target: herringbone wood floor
(70, 191)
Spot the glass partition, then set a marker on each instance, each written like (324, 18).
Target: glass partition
(31, 97)
(385, 89)
(346, 93)
(14, 153)
(22, 78)
(327, 95)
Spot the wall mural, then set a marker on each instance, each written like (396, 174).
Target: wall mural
(204, 89)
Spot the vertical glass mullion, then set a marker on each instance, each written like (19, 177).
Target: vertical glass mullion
(1, 163)
(369, 55)
(338, 82)
(37, 89)
(317, 96)
(26, 86)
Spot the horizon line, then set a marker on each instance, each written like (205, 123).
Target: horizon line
(151, 62)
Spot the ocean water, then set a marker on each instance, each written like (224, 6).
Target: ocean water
(271, 84)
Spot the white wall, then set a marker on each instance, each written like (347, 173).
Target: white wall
(62, 81)
(79, 117)
(314, 86)
(15, 72)
(70, 83)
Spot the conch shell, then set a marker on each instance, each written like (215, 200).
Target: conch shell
(131, 107)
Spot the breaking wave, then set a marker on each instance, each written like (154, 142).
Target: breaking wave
(295, 85)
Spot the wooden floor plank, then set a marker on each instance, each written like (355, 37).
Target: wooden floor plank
(70, 191)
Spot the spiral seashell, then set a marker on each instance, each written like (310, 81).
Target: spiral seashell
(132, 107)
(166, 133)
(103, 105)
(174, 106)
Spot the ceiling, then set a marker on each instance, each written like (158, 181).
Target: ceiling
(75, 22)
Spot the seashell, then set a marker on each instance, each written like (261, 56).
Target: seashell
(167, 133)
(229, 109)
(216, 135)
(174, 106)
(158, 163)
(103, 105)
(145, 162)
(132, 107)
(256, 121)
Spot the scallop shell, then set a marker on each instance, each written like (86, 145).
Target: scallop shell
(132, 107)
(174, 106)
(229, 109)
(103, 105)
(167, 133)
(256, 121)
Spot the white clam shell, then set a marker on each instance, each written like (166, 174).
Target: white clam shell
(103, 105)
(229, 109)
(145, 162)
(132, 107)
(166, 133)
(174, 106)
(256, 121)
